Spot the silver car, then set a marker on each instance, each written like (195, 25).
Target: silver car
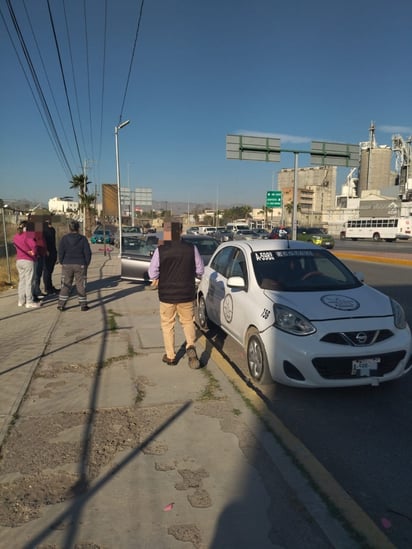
(245, 234)
(137, 253)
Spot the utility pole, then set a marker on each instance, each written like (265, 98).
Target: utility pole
(83, 199)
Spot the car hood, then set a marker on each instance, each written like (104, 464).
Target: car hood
(364, 301)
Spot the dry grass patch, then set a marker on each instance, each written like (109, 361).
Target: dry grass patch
(8, 273)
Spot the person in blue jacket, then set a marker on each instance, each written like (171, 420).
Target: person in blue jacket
(74, 256)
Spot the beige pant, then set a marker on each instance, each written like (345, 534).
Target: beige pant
(185, 312)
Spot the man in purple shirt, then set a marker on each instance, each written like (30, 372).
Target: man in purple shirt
(175, 265)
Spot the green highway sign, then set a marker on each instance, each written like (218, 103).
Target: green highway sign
(273, 199)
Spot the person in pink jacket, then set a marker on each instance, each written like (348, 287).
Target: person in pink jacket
(26, 254)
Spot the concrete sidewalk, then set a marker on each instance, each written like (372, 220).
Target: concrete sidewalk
(105, 446)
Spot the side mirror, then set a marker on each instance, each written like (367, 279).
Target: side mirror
(236, 282)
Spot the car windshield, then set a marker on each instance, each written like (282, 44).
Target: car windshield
(301, 270)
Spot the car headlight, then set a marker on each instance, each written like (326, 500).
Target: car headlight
(291, 321)
(399, 316)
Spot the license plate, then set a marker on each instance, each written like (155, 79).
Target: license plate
(364, 367)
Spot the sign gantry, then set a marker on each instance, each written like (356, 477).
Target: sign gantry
(268, 149)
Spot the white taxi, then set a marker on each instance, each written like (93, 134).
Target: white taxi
(302, 316)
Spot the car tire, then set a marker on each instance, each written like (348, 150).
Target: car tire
(202, 318)
(257, 361)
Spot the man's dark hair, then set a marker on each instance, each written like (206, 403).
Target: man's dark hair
(74, 226)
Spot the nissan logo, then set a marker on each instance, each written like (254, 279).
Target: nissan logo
(361, 338)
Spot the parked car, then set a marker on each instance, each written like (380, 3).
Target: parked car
(282, 233)
(262, 233)
(137, 253)
(127, 231)
(206, 244)
(303, 317)
(316, 235)
(192, 230)
(245, 234)
(237, 226)
(132, 230)
(99, 237)
(222, 235)
(207, 230)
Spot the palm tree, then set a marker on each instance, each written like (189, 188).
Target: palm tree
(86, 201)
(289, 208)
(265, 210)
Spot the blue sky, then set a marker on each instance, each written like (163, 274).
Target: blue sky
(299, 70)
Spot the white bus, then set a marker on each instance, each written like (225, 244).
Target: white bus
(378, 228)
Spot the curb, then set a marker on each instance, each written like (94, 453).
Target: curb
(330, 490)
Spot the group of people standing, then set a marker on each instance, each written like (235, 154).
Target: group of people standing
(36, 257)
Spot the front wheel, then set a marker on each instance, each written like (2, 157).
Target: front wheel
(256, 358)
(202, 317)
(376, 237)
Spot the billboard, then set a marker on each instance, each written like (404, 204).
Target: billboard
(109, 199)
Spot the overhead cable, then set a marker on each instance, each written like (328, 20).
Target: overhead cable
(47, 113)
(131, 60)
(76, 95)
(57, 110)
(64, 83)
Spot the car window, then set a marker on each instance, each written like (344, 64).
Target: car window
(301, 270)
(237, 266)
(221, 260)
(138, 246)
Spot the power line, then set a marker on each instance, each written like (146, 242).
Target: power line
(76, 96)
(131, 60)
(64, 81)
(50, 123)
(88, 76)
(47, 78)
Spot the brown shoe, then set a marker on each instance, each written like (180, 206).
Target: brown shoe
(192, 356)
(169, 361)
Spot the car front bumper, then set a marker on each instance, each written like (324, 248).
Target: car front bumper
(307, 361)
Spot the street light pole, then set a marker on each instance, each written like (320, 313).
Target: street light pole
(116, 140)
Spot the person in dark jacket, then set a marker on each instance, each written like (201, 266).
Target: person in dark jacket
(74, 256)
(175, 266)
(49, 236)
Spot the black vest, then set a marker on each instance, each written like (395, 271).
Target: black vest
(177, 272)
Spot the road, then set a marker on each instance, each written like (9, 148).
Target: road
(361, 435)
